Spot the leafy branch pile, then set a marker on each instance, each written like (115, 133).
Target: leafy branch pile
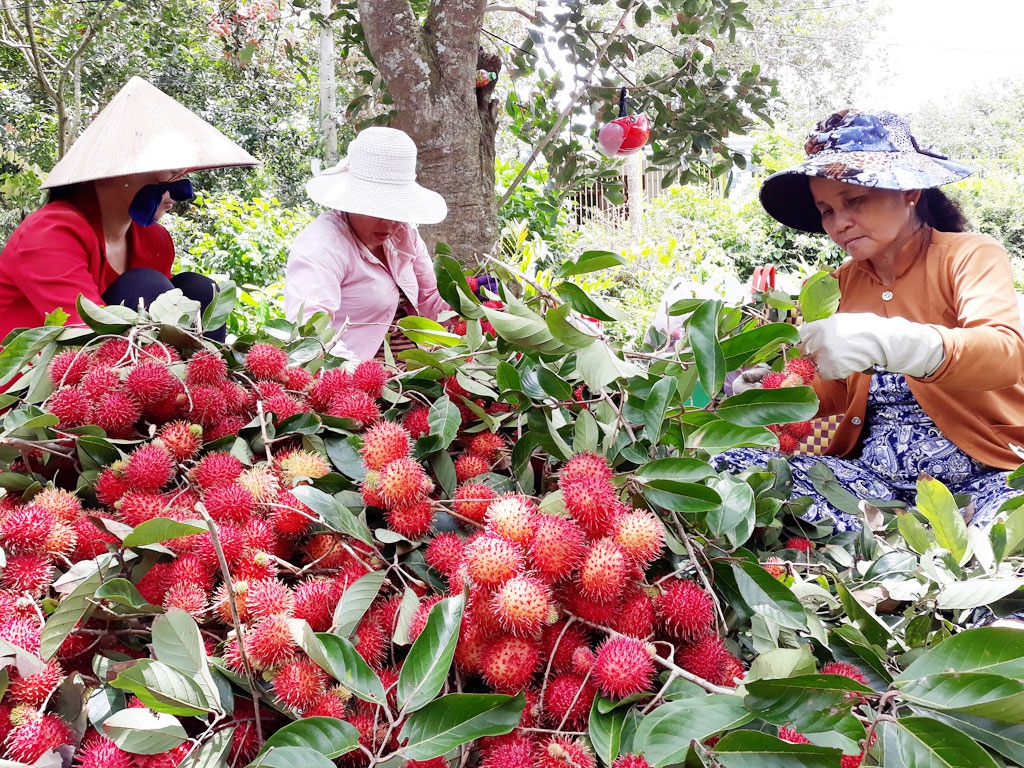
(513, 551)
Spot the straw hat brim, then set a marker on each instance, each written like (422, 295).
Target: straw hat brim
(143, 130)
(405, 202)
(786, 195)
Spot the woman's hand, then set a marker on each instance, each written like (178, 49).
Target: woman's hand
(853, 342)
(750, 378)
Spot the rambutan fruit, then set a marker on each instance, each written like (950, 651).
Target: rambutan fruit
(709, 659)
(846, 669)
(799, 543)
(584, 465)
(299, 683)
(62, 540)
(268, 597)
(207, 407)
(370, 376)
(297, 379)
(512, 517)
(685, 610)
(116, 413)
(229, 426)
(799, 430)
(35, 689)
(419, 619)
(265, 361)
(229, 503)
(149, 468)
(254, 565)
(567, 701)
(592, 501)
(218, 468)
(509, 662)
(791, 736)
(471, 648)
(470, 465)
(189, 568)
(491, 560)
(788, 443)
(636, 615)
(28, 572)
(384, 442)
(328, 704)
(623, 666)
(99, 380)
(71, 406)
(68, 367)
(445, 553)
(516, 752)
(300, 466)
(773, 380)
(269, 643)
(136, 507)
(372, 642)
(471, 501)
(802, 367)
(150, 382)
(604, 571)
(557, 547)
(522, 605)
(356, 405)
(26, 529)
(583, 660)
(181, 439)
(64, 504)
(563, 752)
(101, 752)
(587, 608)
(487, 444)
(23, 632)
(112, 351)
(35, 735)
(776, 566)
(283, 407)
(631, 761)
(314, 603)
(205, 367)
(290, 516)
(640, 534)
(327, 385)
(189, 597)
(403, 481)
(154, 583)
(417, 421)
(559, 642)
(412, 521)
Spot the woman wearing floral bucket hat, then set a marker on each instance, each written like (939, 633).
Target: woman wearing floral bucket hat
(97, 236)
(925, 355)
(361, 261)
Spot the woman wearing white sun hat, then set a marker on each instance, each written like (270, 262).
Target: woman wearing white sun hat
(362, 261)
(97, 236)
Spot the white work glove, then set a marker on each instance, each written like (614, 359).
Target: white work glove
(852, 342)
(750, 378)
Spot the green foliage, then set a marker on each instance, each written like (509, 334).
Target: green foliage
(537, 205)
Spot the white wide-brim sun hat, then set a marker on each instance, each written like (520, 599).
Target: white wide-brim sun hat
(378, 178)
(143, 130)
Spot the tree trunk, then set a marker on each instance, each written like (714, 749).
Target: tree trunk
(430, 72)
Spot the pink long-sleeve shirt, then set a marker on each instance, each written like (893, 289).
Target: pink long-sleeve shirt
(330, 270)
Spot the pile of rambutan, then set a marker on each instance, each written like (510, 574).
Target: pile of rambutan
(797, 372)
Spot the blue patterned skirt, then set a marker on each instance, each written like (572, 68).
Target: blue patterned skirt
(900, 442)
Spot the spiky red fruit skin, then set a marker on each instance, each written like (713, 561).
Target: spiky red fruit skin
(370, 376)
(636, 615)
(71, 406)
(314, 603)
(268, 597)
(356, 405)
(26, 529)
(208, 406)
(35, 689)
(216, 469)
(522, 604)
(99, 380)
(470, 465)
(797, 542)
(491, 560)
(101, 752)
(557, 547)
(229, 503)
(290, 516)
(471, 501)
(117, 412)
(517, 752)
(445, 553)
(384, 442)
(708, 658)
(487, 444)
(512, 517)
(23, 632)
(269, 643)
(182, 439)
(149, 468)
(591, 501)
(631, 761)
(787, 734)
(773, 380)
(150, 382)
(328, 705)
(371, 642)
(205, 368)
(799, 430)
(685, 610)
(327, 385)
(585, 465)
(265, 361)
(509, 662)
(68, 367)
(563, 752)
(36, 736)
(640, 535)
(300, 683)
(29, 572)
(787, 443)
(846, 669)
(623, 667)
(604, 571)
(802, 367)
(559, 642)
(412, 521)
(567, 700)
(189, 597)
(417, 421)
(403, 482)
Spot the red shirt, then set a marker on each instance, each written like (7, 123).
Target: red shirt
(58, 252)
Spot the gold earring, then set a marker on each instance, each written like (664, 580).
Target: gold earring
(912, 203)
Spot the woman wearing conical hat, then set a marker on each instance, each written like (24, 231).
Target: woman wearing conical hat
(97, 236)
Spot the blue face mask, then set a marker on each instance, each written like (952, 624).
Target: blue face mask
(146, 203)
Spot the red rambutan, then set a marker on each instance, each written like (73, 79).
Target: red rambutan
(149, 468)
(708, 658)
(403, 481)
(35, 735)
(265, 361)
(563, 752)
(384, 442)
(623, 667)
(487, 444)
(356, 405)
(636, 614)
(559, 642)
(567, 701)
(314, 602)
(269, 643)
(205, 367)
(802, 367)
(846, 669)
(445, 553)
(150, 382)
(685, 610)
(512, 517)
(181, 439)
(28, 572)
(640, 535)
(412, 521)
(71, 406)
(522, 605)
(470, 465)
(116, 413)
(299, 683)
(370, 377)
(509, 662)
(491, 560)
(471, 501)
(35, 689)
(592, 501)
(799, 543)
(417, 421)
(557, 547)
(215, 469)
(68, 367)
(604, 571)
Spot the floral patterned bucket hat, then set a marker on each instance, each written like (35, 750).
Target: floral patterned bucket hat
(869, 149)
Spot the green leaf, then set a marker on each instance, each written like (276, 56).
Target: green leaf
(1014, 532)
(590, 261)
(553, 385)
(717, 436)
(975, 693)
(328, 736)
(681, 497)
(658, 403)
(73, 608)
(344, 455)
(178, 643)
(809, 702)
(679, 469)
(873, 628)
(114, 319)
(913, 742)
(291, 757)
(766, 596)
(605, 729)
(219, 310)
(757, 344)
(427, 332)
(143, 732)
(333, 512)
(702, 332)
(586, 433)
(779, 663)
(444, 420)
(426, 667)
(163, 688)
(819, 297)
(936, 503)
(1007, 740)
(339, 658)
(750, 749)
(174, 308)
(599, 366)
(213, 753)
(123, 592)
(734, 517)
(665, 735)
(354, 602)
(530, 332)
(913, 532)
(22, 348)
(574, 295)
(761, 407)
(442, 725)
(160, 529)
(566, 328)
(959, 595)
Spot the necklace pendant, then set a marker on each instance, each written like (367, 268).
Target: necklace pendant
(886, 295)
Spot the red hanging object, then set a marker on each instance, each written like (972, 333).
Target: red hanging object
(485, 77)
(626, 134)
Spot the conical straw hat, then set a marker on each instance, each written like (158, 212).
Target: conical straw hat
(142, 130)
